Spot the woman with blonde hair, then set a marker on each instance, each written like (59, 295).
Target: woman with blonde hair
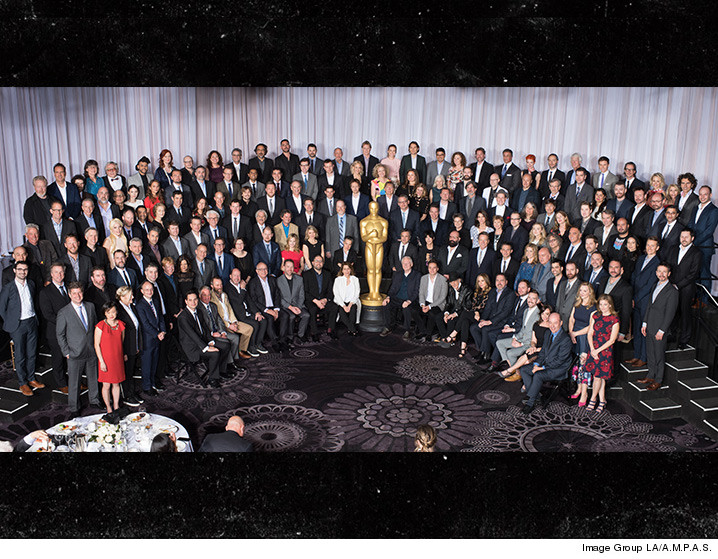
(673, 195)
(312, 246)
(602, 335)
(357, 173)
(528, 264)
(381, 177)
(537, 236)
(578, 322)
(294, 253)
(425, 439)
(115, 241)
(657, 183)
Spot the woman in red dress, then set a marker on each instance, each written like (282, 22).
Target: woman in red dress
(109, 336)
(602, 334)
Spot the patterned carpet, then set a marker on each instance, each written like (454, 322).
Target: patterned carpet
(368, 394)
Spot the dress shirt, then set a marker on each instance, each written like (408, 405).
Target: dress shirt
(267, 294)
(115, 183)
(682, 252)
(125, 275)
(571, 250)
(139, 263)
(61, 288)
(430, 290)
(75, 263)
(80, 310)
(682, 200)
(178, 244)
(667, 229)
(58, 228)
(646, 261)
(701, 207)
(504, 264)
(451, 252)
(162, 299)
(26, 308)
(636, 211)
(656, 290)
(402, 250)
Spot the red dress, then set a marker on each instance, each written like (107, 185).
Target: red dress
(602, 326)
(112, 353)
(294, 256)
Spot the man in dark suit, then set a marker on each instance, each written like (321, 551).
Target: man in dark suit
(228, 186)
(255, 186)
(264, 297)
(318, 296)
(75, 329)
(553, 172)
(77, 266)
(574, 251)
(388, 202)
(660, 311)
(704, 220)
(657, 218)
(621, 292)
(571, 175)
(401, 248)
(453, 259)
(235, 225)
(137, 260)
(153, 328)
(500, 205)
(113, 180)
(239, 169)
(99, 292)
(280, 182)
(268, 252)
(499, 305)
(357, 204)
(632, 182)
(606, 231)
(57, 228)
(341, 167)
(272, 204)
(505, 264)
(579, 192)
(620, 205)
(176, 185)
(131, 345)
(200, 187)
(121, 275)
(230, 440)
(66, 192)
(261, 163)
(223, 262)
(516, 235)
(178, 213)
(20, 254)
(413, 161)
(244, 311)
(688, 199)
(89, 216)
(402, 296)
(555, 196)
(367, 159)
(685, 260)
(508, 171)
(310, 217)
(214, 230)
(404, 218)
(197, 342)
(37, 207)
(670, 235)
(286, 161)
(175, 246)
(346, 254)
(204, 268)
(291, 292)
(595, 274)
(39, 252)
(433, 223)
(642, 283)
(437, 167)
(526, 193)
(480, 261)
(640, 214)
(553, 362)
(17, 309)
(330, 177)
(471, 204)
(567, 291)
(54, 297)
(554, 283)
(485, 170)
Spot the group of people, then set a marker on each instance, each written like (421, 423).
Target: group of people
(223, 262)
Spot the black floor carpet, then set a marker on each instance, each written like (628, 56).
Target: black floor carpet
(368, 394)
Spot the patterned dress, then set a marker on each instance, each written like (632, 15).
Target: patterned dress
(603, 366)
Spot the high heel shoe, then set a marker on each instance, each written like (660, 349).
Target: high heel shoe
(462, 352)
(591, 405)
(574, 396)
(601, 407)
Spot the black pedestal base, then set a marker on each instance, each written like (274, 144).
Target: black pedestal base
(372, 319)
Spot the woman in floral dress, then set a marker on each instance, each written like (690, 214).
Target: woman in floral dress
(602, 334)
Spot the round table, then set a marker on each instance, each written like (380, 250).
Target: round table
(133, 434)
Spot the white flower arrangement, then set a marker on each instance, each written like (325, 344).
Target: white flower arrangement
(107, 435)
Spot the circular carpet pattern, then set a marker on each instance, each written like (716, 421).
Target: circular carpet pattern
(434, 369)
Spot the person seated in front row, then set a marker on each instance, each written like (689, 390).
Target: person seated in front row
(291, 291)
(403, 293)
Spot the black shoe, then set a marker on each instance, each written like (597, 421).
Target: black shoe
(253, 352)
(261, 349)
(385, 332)
(132, 402)
(406, 335)
(215, 384)
(138, 397)
(682, 346)
(226, 375)
(527, 409)
(142, 396)
(158, 386)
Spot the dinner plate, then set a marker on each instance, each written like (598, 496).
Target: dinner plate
(167, 428)
(181, 446)
(37, 446)
(137, 416)
(64, 428)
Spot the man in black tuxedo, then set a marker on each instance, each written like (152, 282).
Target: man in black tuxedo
(685, 260)
(230, 440)
(262, 164)
(621, 292)
(367, 159)
(318, 295)
(197, 342)
(510, 174)
(200, 187)
(330, 177)
(453, 259)
(401, 248)
(37, 207)
(178, 213)
(516, 235)
(271, 203)
(113, 180)
(239, 169)
(505, 263)
(499, 306)
(480, 261)
(54, 297)
(480, 171)
(413, 161)
(553, 172)
(631, 181)
(403, 296)
(265, 298)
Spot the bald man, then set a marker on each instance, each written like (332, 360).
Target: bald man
(229, 441)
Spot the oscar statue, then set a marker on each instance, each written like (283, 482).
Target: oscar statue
(374, 231)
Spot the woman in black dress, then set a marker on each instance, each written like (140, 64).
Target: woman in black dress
(427, 252)
(472, 315)
(243, 260)
(630, 251)
(419, 201)
(312, 246)
(184, 276)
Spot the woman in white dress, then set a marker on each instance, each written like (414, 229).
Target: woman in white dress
(346, 297)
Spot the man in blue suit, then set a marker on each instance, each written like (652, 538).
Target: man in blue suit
(20, 321)
(704, 220)
(268, 252)
(153, 332)
(66, 192)
(552, 363)
(499, 306)
(223, 262)
(357, 203)
(644, 278)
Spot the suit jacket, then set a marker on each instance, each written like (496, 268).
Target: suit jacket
(542, 272)
(210, 270)
(451, 209)
(280, 237)
(338, 259)
(511, 181)
(405, 166)
(673, 238)
(50, 303)
(74, 201)
(47, 232)
(470, 216)
(412, 224)
(11, 306)
(565, 298)
(552, 291)
(193, 244)
(312, 188)
(685, 274)
(262, 175)
(511, 270)
(171, 250)
(85, 267)
(541, 219)
(98, 297)
(223, 234)
(524, 330)
(346, 166)
(82, 224)
(414, 280)
(183, 219)
(215, 323)
(72, 337)
(543, 182)
(473, 269)
(311, 286)
(518, 241)
(384, 209)
(228, 441)
(243, 170)
(633, 184)
(332, 231)
(279, 205)
(289, 167)
(240, 302)
(608, 183)
(197, 193)
(133, 336)
(643, 281)
(140, 267)
(507, 213)
(622, 295)
(170, 294)
(293, 206)
(598, 232)
(432, 172)
(150, 324)
(363, 206)
(687, 211)
(572, 204)
(459, 263)
(318, 220)
(256, 235)
(48, 255)
(257, 190)
(487, 169)
(441, 290)
(295, 297)
(555, 356)
(531, 195)
(639, 221)
(569, 179)
(395, 262)
(705, 226)
(660, 313)
(273, 261)
(601, 277)
(244, 230)
(373, 161)
(655, 228)
(187, 200)
(341, 185)
(192, 339)
(625, 209)
(115, 278)
(34, 210)
(257, 296)
(442, 229)
(227, 265)
(498, 312)
(236, 190)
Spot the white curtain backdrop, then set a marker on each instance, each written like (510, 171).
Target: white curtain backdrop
(670, 130)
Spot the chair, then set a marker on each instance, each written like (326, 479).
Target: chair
(187, 368)
(555, 385)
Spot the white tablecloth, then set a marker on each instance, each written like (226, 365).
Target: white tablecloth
(136, 436)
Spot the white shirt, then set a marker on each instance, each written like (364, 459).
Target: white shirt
(267, 293)
(701, 207)
(682, 252)
(430, 290)
(26, 310)
(63, 192)
(330, 179)
(443, 208)
(682, 199)
(82, 314)
(478, 171)
(115, 183)
(132, 315)
(452, 251)
(637, 210)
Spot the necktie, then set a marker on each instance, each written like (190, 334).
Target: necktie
(503, 266)
(145, 182)
(481, 257)
(309, 221)
(152, 306)
(127, 278)
(469, 205)
(229, 189)
(305, 183)
(269, 249)
(588, 261)
(341, 231)
(593, 276)
(666, 230)
(196, 319)
(82, 317)
(219, 262)
(578, 190)
(548, 220)
(331, 206)
(211, 319)
(402, 252)
(570, 253)
(201, 268)
(550, 176)
(215, 234)
(179, 211)
(403, 219)
(254, 189)
(271, 206)
(602, 179)
(503, 173)
(235, 230)
(63, 291)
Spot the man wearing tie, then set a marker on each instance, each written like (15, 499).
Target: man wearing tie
(120, 275)
(605, 179)
(53, 298)
(579, 192)
(510, 173)
(642, 281)
(307, 180)
(223, 262)
(153, 332)
(75, 331)
(550, 174)
(661, 308)
(228, 187)
(271, 203)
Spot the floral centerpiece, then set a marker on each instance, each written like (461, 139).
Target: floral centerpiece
(107, 435)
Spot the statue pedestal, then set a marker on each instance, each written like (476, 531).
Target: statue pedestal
(372, 314)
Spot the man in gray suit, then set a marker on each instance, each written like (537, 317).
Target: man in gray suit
(433, 290)
(204, 268)
(566, 296)
(436, 168)
(254, 185)
(510, 349)
(142, 178)
(291, 289)
(75, 329)
(196, 236)
(577, 193)
(176, 246)
(307, 180)
(542, 272)
(657, 319)
(604, 178)
(338, 226)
